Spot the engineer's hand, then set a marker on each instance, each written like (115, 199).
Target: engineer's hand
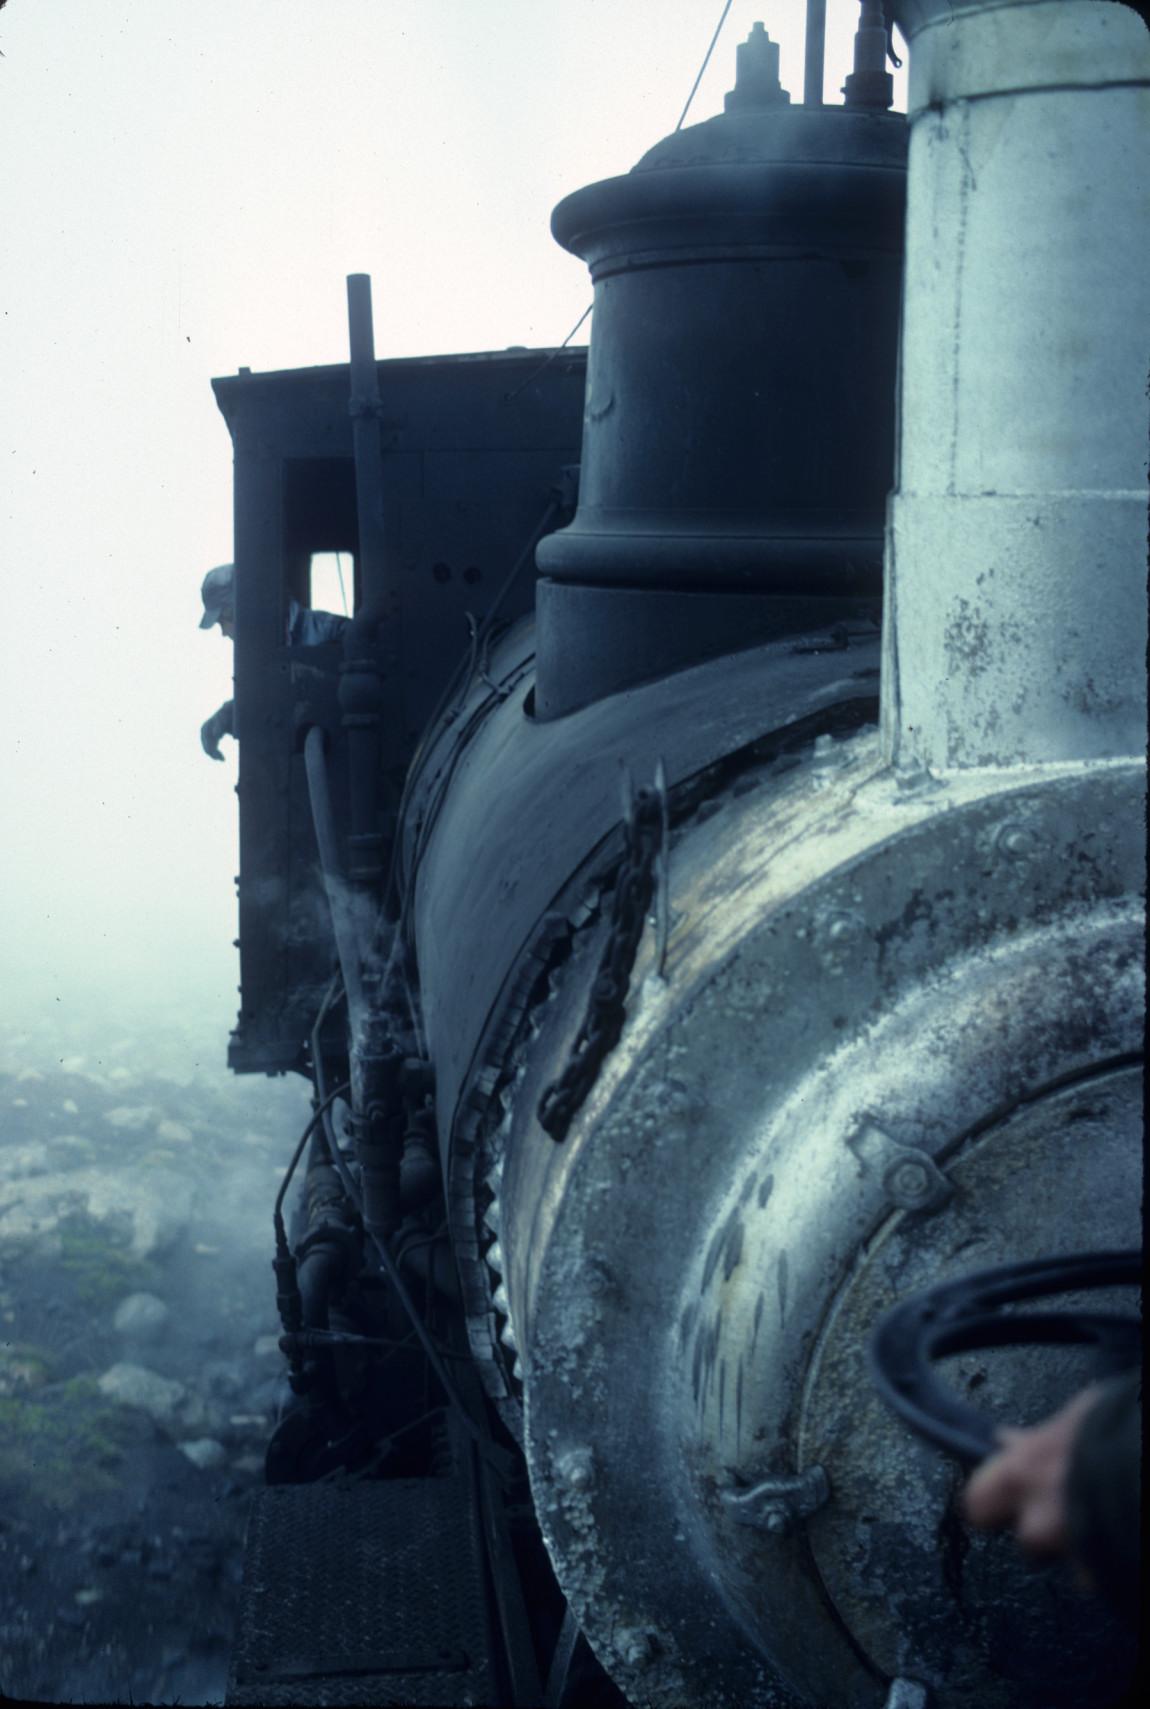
(219, 724)
(1023, 1485)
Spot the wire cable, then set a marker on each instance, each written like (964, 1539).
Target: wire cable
(510, 397)
(559, 348)
(706, 62)
(317, 1117)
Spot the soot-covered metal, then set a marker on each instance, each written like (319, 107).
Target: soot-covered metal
(739, 416)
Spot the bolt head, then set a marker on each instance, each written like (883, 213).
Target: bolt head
(909, 1183)
(1017, 842)
(637, 1646)
(576, 1468)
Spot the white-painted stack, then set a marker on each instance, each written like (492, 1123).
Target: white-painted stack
(1017, 532)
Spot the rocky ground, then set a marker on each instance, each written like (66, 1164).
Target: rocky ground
(138, 1364)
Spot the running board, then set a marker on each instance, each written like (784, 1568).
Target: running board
(365, 1593)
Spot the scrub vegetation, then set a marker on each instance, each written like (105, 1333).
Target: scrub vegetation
(138, 1367)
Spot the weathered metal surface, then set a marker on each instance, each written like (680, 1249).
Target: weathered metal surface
(491, 935)
(1024, 417)
(529, 802)
(918, 1590)
(845, 957)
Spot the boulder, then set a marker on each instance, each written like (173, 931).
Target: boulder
(156, 1204)
(165, 1401)
(204, 1452)
(161, 1398)
(140, 1316)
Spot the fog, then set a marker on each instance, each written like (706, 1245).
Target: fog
(184, 189)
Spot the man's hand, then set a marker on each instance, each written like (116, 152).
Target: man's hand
(1023, 1485)
(221, 723)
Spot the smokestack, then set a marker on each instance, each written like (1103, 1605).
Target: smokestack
(1015, 617)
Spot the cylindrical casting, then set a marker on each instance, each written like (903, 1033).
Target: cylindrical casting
(738, 429)
(739, 418)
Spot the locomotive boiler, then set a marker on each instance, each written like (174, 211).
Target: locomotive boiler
(740, 930)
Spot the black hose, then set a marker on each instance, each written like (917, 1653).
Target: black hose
(318, 1271)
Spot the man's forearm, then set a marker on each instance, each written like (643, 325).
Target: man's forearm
(1104, 1493)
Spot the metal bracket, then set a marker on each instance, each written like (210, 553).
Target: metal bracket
(777, 1504)
(911, 1179)
(361, 407)
(907, 1694)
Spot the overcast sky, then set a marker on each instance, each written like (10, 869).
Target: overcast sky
(184, 188)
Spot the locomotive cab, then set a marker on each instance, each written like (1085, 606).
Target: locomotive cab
(475, 451)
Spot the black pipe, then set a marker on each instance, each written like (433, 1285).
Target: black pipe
(319, 1272)
(419, 1177)
(326, 1254)
(364, 407)
(370, 689)
(814, 53)
(429, 1258)
(870, 84)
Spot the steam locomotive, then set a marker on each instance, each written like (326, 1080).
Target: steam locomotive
(702, 943)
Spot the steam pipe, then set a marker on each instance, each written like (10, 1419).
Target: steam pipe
(1015, 613)
(295, 1296)
(373, 1059)
(870, 84)
(370, 697)
(364, 408)
(326, 1249)
(814, 51)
